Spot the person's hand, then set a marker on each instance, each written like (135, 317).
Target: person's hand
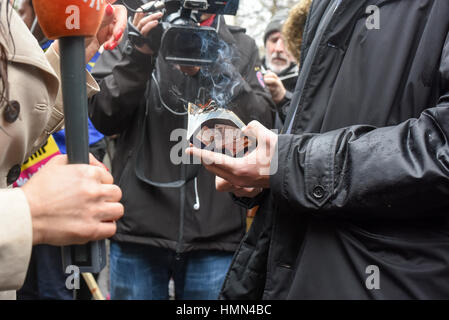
(110, 33)
(275, 86)
(251, 171)
(225, 186)
(145, 24)
(72, 204)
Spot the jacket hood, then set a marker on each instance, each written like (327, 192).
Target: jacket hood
(294, 27)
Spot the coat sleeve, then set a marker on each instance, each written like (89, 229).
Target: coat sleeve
(397, 172)
(56, 119)
(123, 75)
(15, 238)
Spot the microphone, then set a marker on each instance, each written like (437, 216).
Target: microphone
(71, 21)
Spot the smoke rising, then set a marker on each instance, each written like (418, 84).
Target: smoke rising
(222, 76)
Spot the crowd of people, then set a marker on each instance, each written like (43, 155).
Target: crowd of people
(350, 173)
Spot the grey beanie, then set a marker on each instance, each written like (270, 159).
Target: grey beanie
(276, 23)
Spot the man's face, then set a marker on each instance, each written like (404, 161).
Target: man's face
(277, 57)
(26, 12)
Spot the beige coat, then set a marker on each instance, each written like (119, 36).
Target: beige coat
(34, 85)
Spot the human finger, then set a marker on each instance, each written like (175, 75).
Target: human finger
(148, 27)
(137, 17)
(58, 160)
(96, 173)
(105, 230)
(214, 159)
(108, 16)
(149, 21)
(254, 129)
(223, 185)
(110, 211)
(270, 75)
(105, 176)
(113, 27)
(269, 81)
(210, 160)
(110, 193)
(94, 162)
(120, 21)
(247, 192)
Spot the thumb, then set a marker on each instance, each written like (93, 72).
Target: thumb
(62, 159)
(58, 160)
(254, 129)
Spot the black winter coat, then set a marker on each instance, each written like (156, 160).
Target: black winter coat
(159, 196)
(359, 206)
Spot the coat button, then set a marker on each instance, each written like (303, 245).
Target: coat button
(12, 111)
(13, 174)
(318, 192)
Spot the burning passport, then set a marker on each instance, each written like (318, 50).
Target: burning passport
(217, 129)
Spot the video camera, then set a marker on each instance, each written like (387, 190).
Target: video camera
(178, 38)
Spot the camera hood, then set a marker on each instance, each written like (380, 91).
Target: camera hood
(189, 45)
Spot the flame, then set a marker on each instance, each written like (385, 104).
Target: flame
(206, 105)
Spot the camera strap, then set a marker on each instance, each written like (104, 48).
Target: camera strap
(140, 159)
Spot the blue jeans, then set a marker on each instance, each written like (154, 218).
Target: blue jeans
(45, 279)
(143, 272)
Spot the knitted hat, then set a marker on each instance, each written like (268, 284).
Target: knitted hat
(276, 23)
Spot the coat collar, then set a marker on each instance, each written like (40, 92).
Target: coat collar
(224, 32)
(20, 45)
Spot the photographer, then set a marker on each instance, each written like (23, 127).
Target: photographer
(176, 224)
